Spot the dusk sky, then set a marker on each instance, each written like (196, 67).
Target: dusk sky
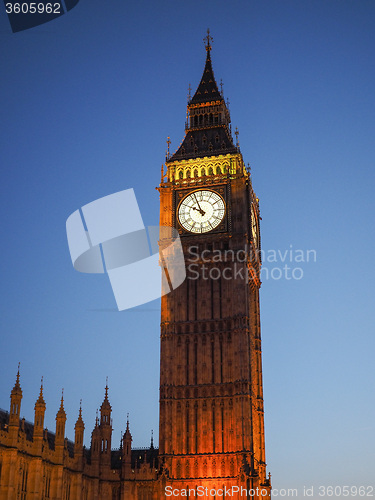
(87, 103)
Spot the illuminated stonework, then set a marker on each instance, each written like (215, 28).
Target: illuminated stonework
(211, 395)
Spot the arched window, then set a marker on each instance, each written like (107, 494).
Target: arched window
(195, 173)
(188, 174)
(210, 171)
(203, 172)
(218, 170)
(180, 174)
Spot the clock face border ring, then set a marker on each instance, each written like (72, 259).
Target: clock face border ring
(189, 193)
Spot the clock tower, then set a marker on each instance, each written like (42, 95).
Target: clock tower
(211, 394)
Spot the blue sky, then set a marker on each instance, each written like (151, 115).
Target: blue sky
(87, 103)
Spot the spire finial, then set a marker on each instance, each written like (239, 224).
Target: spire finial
(62, 400)
(221, 88)
(236, 134)
(106, 388)
(168, 144)
(41, 388)
(40, 400)
(207, 40)
(18, 375)
(80, 408)
(152, 438)
(17, 387)
(127, 421)
(189, 93)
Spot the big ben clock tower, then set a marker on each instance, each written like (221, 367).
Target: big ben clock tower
(211, 395)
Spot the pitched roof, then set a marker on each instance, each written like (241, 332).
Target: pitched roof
(207, 89)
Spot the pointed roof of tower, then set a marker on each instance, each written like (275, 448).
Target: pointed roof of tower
(208, 129)
(127, 432)
(40, 401)
(61, 413)
(79, 422)
(106, 404)
(207, 89)
(17, 391)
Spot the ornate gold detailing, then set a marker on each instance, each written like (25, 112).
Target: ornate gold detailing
(207, 40)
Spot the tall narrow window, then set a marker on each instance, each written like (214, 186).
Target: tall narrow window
(187, 431)
(187, 362)
(221, 360)
(196, 299)
(222, 429)
(195, 362)
(196, 430)
(213, 429)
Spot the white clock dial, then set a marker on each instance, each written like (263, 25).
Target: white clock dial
(201, 211)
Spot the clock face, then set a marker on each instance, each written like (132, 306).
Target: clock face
(201, 211)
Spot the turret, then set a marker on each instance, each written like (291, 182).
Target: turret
(40, 409)
(15, 408)
(127, 451)
(60, 429)
(95, 443)
(78, 438)
(105, 430)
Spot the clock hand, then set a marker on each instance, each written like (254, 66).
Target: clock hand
(200, 210)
